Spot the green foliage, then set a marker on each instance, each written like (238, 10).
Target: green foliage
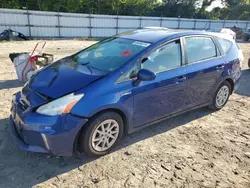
(10, 4)
(234, 9)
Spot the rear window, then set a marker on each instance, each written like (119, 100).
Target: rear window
(199, 49)
(225, 45)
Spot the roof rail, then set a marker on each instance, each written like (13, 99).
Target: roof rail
(152, 27)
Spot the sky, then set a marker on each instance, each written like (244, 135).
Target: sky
(216, 3)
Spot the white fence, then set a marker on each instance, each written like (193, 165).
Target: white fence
(57, 24)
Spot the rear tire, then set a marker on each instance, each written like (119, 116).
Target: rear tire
(101, 134)
(221, 96)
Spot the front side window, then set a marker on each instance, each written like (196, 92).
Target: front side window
(109, 54)
(225, 45)
(129, 74)
(200, 48)
(164, 58)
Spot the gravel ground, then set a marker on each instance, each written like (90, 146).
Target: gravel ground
(201, 148)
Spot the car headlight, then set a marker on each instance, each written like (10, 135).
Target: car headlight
(59, 106)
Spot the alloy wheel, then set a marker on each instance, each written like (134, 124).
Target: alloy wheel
(105, 135)
(222, 96)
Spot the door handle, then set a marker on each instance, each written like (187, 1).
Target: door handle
(180, 79)
(220, 67)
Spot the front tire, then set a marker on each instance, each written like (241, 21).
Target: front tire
(101, 134)
(221, 96)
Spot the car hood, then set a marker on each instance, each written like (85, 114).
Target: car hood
(61, 78)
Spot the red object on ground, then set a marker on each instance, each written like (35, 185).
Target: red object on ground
(126, 53)
(33, 57)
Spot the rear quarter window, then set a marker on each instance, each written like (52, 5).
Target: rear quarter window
(225, 45)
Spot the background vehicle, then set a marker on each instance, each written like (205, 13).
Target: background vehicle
(122, 84)
(247, 34)
(228, 32)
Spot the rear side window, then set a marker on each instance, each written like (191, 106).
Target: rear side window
(225, 45)
(199, 49)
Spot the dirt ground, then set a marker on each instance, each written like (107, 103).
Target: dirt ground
(201, 148)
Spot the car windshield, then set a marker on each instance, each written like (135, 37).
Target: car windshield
(109, 54)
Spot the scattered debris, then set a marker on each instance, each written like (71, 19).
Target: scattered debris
(235, 172)
(27, 64)
(246, 136)
(80, 168)
(247, 154)
(174, 147)
(211, 165)
(95, 180)
(9, 34)
(178, 167)
(127, 153)
(165, 168)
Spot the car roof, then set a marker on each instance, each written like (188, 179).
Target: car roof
(153, 35)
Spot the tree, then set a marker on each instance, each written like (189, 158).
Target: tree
(202, 13)
(175, 8)
(234, 9)
(238, 9)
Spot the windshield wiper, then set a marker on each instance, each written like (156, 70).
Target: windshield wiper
(84, 63)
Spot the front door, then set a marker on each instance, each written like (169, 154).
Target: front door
(156, 99)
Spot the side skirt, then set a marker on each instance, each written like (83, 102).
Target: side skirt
(134, 129)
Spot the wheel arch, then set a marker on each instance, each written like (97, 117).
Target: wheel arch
(231, 82)
(116, 110)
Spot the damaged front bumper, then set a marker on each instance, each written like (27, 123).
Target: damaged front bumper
(44, 134)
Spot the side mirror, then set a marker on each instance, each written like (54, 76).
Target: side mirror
(144, 75)
(144, 59)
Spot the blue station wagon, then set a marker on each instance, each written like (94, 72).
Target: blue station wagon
(87, 101)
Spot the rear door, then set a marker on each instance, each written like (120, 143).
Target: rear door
(204, 66)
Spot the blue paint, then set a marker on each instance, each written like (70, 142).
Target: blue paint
(171, 92)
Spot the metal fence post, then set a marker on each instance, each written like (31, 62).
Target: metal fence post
(247, 25)
(209, 25)
(194, 24)
(28, 18)
(140, 22)
(90, 26)
(224, 23)
(179, 23)
(161, 22)
(58, 24)
(117, 24)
